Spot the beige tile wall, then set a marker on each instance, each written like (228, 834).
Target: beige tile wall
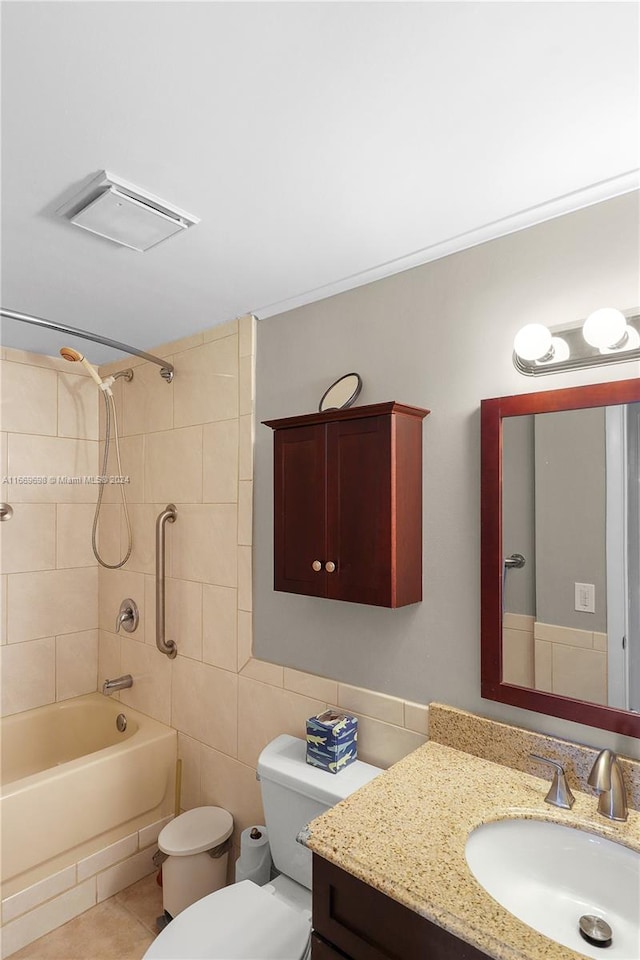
(66, 892)
(191, 443)
(49, 619)
(571, 662)
(518, 650)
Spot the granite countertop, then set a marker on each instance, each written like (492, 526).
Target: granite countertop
(405, 832)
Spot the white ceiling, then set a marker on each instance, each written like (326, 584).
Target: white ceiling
(321, 144)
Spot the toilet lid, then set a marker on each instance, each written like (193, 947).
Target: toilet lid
(239, 922)
(195, 831)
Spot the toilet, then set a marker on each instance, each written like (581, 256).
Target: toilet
(248, 922)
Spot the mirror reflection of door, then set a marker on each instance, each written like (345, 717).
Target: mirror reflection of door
(633, 554)
(571, 623)
(622, 428)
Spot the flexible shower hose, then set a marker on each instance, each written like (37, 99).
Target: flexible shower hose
(110, 406)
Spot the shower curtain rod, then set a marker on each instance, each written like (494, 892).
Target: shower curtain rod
(166, 368)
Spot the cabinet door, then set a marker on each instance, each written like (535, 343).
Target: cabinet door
(324, 951)
(359, 510)
(365, 924)
(300, 510)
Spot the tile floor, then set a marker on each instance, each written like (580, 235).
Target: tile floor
(120, 928)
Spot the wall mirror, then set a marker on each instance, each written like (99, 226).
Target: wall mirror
(342, 393)
(561, 553)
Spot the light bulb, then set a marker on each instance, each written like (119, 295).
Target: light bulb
(604, 328)
(533, 342)
(631, 341)
(560, 349)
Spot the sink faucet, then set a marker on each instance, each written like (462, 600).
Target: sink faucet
(606, 779)
(120, 683)
(559, 794)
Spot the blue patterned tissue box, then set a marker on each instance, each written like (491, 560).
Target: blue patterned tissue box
(332, 740)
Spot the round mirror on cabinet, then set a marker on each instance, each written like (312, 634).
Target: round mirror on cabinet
(342, 393)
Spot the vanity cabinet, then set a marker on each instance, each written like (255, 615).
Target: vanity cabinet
(352, 921)
(348, 504)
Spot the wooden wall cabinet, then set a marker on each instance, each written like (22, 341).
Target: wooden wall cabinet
(352, 921)
(348, 504)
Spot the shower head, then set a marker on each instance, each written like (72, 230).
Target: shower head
(70, 354)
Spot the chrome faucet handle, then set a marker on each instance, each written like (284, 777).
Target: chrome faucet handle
(123, 618)
(128, 616)
(559, 794)
(607, 780)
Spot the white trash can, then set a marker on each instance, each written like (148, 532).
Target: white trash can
(197, 847)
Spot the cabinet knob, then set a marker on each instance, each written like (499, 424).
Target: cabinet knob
(330, 566)
(316, 565)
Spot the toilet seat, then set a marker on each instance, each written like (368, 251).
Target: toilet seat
(239, 922)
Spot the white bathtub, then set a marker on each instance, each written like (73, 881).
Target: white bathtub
(69, 775)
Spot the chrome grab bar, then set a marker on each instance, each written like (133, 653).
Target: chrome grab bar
(164, 646)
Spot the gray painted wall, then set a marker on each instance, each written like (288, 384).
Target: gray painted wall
(570, 516)
(518, 513)
(439, 336)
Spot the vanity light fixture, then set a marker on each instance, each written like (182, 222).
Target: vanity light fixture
(606, 336)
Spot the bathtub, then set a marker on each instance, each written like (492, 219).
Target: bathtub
(69, 775)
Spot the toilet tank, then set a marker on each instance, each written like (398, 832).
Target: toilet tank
(294, 792)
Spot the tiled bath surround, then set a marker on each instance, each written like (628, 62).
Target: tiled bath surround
(49, 612)
(49, 608)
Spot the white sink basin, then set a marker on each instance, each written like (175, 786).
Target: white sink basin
(549, 876)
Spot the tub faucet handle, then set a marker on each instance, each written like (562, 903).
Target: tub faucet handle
(128, 616)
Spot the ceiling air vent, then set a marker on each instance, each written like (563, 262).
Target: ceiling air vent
(112, 208)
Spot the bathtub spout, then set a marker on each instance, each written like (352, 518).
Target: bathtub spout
(120, 683)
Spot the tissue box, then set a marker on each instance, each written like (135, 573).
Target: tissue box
(332, 740)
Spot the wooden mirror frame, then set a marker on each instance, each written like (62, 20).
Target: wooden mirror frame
(492, 688)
